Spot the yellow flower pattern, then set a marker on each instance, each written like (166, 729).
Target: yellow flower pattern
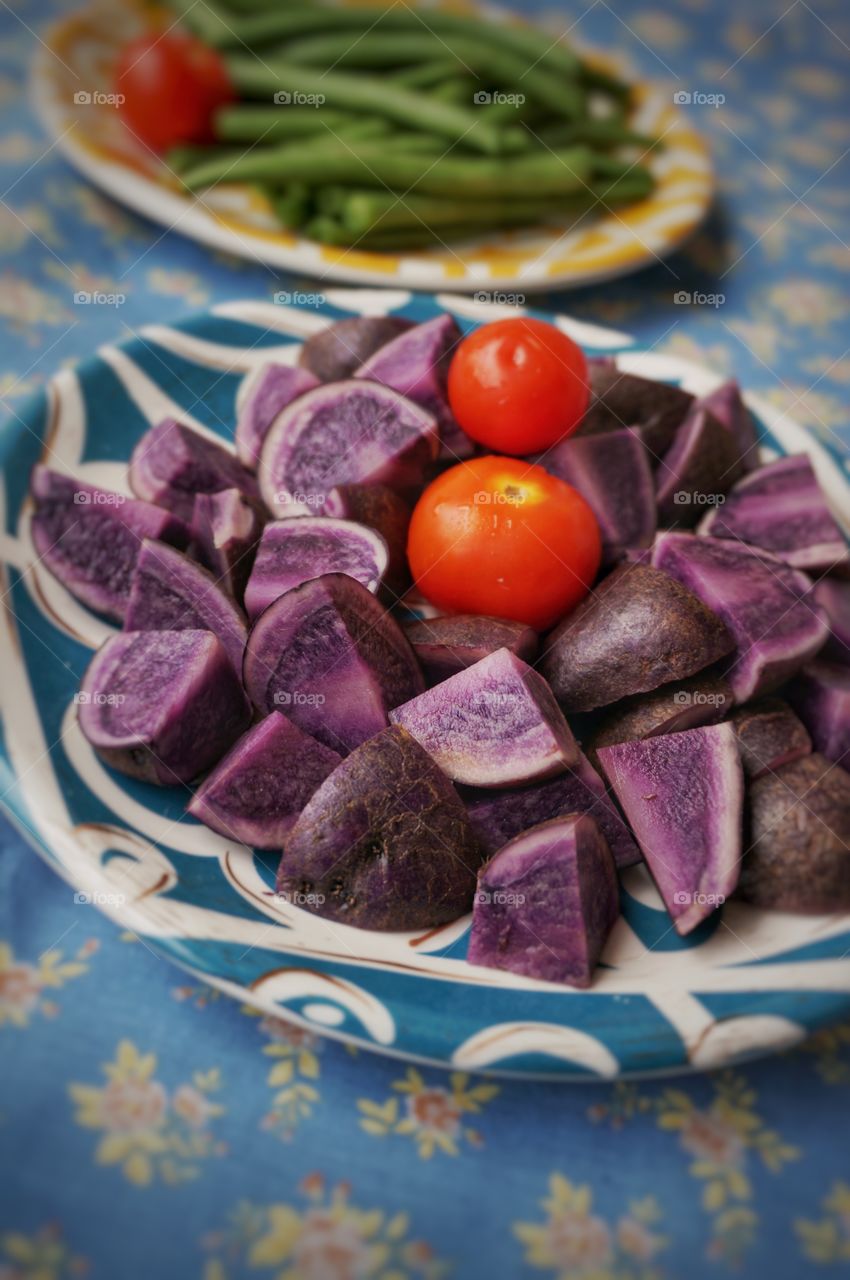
(24, 986)
(43, 1256)
(432, 1115)
(827, 1240)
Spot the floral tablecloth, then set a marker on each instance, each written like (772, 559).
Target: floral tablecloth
(151, 1127)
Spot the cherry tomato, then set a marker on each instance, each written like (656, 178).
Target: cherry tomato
(518, 385)
(502, 537)
(171, 84)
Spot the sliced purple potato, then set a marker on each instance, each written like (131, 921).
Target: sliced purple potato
(638, 629)
(499, 816)
(170, 592)
(384, 843)
(769, 736)
(820, 694)
(90, 538)
(225, 531)
(782, 508)
(162, 706)
(697, 470)
(833, 597)
(335, 352)
(172, 463)
(293, 551)
(799, 831)
(332, 659)
(546, 903)
(381, 509)
(683, 797)
(263, 393)
(626, 400)
(726, 404)
(447, 645)
(612, 472)
(353, 432)
(494, 724)
(765, 604)
(703, 699)
(255, 794)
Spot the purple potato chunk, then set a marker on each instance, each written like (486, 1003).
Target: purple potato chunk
(639, 629)
(726, 404)
(225, 531)
(769, 736)
(172, 593)
(494, 724)
(172, 462)
(447, 645)
(764, 603)
(335, 352)
(799, 830)
(612, 473)
(700, 466)
(704, 699)
(820, 694)
(293, 551)
(353, 432)
(683, 797)
(330, 657)
(384, 843)
(546, 903)
(263, 393)
(626, 400)
(499, 816)
(781, 507)
(381, 509)
(833, 597)
(90, 538)
(255, 794)
(162, 706)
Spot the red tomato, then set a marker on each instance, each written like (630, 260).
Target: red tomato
(172, 84)
(518, 385)
(502, 537)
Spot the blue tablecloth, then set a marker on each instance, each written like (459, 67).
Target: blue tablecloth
(151, 1127)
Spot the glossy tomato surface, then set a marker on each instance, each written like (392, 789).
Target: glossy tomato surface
(171, 86)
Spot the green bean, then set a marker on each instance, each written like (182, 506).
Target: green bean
(609, 132)
(245, 122)
(360, 210)
(426, 74)
(294, 205)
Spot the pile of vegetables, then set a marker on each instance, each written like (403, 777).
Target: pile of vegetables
(384, 127)
(605, 686)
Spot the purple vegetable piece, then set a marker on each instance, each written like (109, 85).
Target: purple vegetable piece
(445, 646)
(781, 507)
(225, 531)
(172, 462)
(546, 903)
(384, 843)
(353, 432)
(293, 551)
(764, 603)
(162, 706)
(90, 538)
(498, 816)
(257, 791)
(700, 466)
(799, 828)
(833, 597)
(332, 659)
(335, 352)
(626, 400)
(820, 694)
(769, 736)
(383, 510)
(494, 724)
(683, 797)
(612, 472)
(639, 629)
(263, 393)
(172, 593)
(727, 406)
(704, 699)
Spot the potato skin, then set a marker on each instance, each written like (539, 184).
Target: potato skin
(337, 351)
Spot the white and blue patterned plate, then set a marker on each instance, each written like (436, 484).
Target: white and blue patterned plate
(747, 982)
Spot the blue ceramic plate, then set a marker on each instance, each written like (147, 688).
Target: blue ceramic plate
(747, 982)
